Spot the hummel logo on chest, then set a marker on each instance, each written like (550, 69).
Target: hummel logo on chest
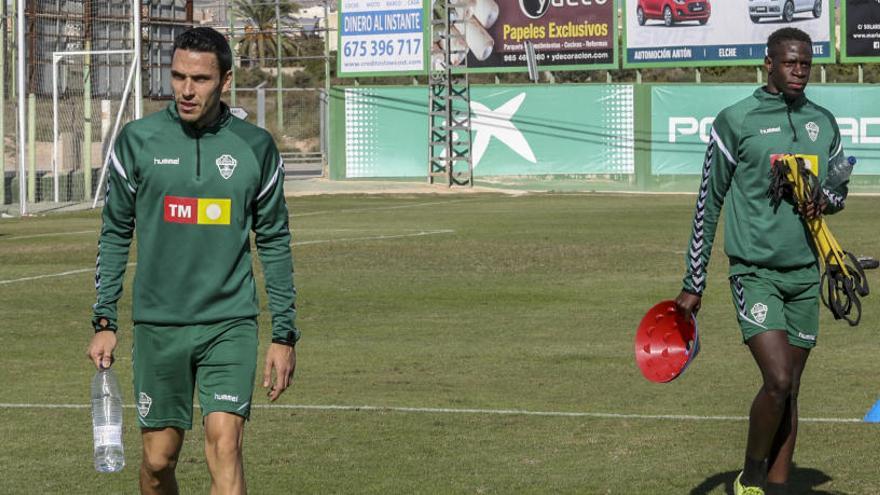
(166, 161)
(771, 130)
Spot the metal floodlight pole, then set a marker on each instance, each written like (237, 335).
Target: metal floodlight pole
(279, 102)
(261, 104)
(327, 48)
(125, 94)
(3, 61)
(531, 60)
(326, 115)
(55, 59)
(234, 46)
(138, 83)
(22, 131)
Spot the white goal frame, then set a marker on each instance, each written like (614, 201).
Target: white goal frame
(56, 58)
(21, 86)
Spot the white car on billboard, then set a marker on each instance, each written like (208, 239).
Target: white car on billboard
(785, 9)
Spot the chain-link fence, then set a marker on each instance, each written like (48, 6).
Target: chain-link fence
(81, 84)
(300, 133)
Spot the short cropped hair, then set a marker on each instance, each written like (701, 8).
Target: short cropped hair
(780, 36)
(208, 40)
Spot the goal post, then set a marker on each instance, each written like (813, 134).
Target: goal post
(112, 138)
(73, 147)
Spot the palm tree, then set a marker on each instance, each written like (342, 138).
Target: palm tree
(259, 41)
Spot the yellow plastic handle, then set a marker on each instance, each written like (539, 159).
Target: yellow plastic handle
(827, 246)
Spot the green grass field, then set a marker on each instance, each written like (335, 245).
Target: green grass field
(437, 313)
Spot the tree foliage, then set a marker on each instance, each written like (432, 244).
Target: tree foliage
(258, 45)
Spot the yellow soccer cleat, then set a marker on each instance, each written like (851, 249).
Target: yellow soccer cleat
(739, 489)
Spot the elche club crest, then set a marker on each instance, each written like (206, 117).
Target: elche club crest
(759, 311)
(226, 164)
(812, 131)
(144, 403)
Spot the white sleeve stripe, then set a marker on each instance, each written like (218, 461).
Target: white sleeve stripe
(723, 148)
(272, 180)
(839, 149)
(117, 165)
(121, 171)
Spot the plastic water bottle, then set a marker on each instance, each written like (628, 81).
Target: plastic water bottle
(107, 422)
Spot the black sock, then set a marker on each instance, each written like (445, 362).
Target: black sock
(754, 472)
(776, 489)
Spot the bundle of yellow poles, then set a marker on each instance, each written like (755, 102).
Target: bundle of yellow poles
(842, 283)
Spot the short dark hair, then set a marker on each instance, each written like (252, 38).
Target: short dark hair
(205, 39)
(780, 36)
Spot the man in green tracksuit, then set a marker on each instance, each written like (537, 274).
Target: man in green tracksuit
(774, 274)
(194, 181)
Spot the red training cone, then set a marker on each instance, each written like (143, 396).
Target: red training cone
(665, 343)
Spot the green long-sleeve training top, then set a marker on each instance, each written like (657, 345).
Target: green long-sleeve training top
(736, 171)
(194, 196)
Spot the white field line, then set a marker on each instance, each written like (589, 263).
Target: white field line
(297, 243)
(51, 275)
(484, 412)
(374, 208)
(374, 237)
(356, 229)
(659, 193)
(292, 215)
(50, 234)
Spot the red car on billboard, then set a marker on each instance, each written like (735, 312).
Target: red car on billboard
(673, 11)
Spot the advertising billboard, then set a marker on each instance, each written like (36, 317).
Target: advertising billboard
(860, 31)
(516, 130)
(682, 117)
(566, 34)
(675, 33)
(383, 37)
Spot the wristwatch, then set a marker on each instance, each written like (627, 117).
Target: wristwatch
(103, 324)
(289, 339)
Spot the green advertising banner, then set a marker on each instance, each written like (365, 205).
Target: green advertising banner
(682, 116)
(516, 130)
(386, 132)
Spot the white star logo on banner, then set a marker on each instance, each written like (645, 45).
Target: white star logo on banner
(487, 123)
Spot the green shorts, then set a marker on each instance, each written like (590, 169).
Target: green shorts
(764, 304)
(169, 361)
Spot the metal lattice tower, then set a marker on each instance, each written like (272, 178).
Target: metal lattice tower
(449, 140)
